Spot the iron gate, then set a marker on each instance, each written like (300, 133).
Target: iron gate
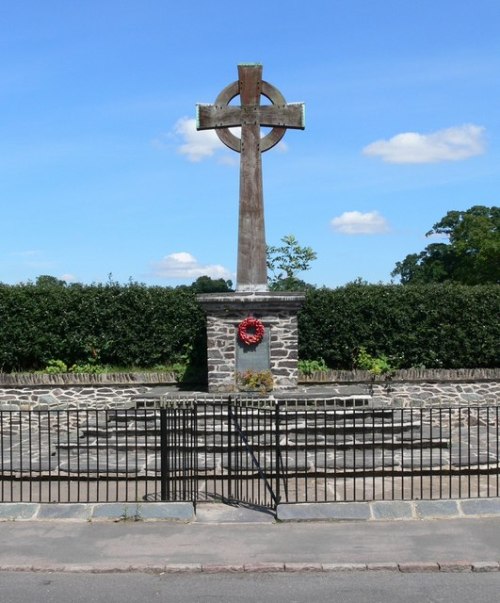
(227, 450)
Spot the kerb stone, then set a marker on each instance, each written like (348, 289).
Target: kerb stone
(392, 510)
(428, 509)
(166, 511)
(18, 511)
(63, 511)
(323, 511)
(481, 506)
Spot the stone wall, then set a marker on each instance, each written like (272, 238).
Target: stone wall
(407, 388)
(430, 394)
(419, 387)
(73, 390)
(46, 398)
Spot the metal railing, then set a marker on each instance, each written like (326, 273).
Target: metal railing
(260, 452)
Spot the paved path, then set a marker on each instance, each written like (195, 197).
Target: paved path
(412, 545)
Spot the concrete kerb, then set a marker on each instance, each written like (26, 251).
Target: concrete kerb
(390, 510)
(180, 512)
(420, 567)
(211, 513)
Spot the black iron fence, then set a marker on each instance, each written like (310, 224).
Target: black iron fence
(251, 450)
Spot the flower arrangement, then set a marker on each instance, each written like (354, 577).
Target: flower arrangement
(260, 381)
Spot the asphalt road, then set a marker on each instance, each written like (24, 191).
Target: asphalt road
(369, 587)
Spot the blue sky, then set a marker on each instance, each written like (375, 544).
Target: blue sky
(101, 171)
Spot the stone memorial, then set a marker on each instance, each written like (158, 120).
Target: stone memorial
(252, 333)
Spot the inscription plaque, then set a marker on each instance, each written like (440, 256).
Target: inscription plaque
(253, 357)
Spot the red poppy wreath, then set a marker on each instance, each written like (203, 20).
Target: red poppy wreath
(251, 331)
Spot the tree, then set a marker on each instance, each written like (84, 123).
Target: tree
(286, 261)
(471, 256)
(46, 280)
(206, 284)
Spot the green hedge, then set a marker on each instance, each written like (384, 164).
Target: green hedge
(122, 325)
(433, 326)
(436, 326)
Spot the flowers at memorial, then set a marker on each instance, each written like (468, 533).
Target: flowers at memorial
(251, 331)
(255, 381)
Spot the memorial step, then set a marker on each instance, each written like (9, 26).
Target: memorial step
(223, 442)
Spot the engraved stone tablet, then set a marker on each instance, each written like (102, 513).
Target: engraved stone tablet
(253, 357)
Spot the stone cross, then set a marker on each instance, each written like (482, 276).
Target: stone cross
(251, 116)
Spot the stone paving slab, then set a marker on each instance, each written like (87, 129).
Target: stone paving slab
(16, 464)
(351, 459)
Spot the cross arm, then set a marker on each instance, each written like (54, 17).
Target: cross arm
(209, 117)
(291, 115)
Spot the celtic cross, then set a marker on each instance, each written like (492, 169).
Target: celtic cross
(251, 116)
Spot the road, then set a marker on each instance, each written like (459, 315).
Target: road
(352, 587)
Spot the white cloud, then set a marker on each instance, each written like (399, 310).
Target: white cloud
(355, 222)
(197, 145)
(69, 278)
(451, 144)
(182, 265)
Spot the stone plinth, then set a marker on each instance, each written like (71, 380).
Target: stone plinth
(278, 352)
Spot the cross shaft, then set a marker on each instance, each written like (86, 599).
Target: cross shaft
(251, 116)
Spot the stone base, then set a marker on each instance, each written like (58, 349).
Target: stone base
(278, 353)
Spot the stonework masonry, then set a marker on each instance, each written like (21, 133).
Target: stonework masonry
(431, 394)
(278, 313)
(62, 398)
(419, 388)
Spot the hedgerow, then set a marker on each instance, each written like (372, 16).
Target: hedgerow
(436, 326)
(124, 325)
(432, 326)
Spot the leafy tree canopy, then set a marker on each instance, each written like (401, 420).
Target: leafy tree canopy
(45, 280)
(471, 256)
(286, 261)
(205, 284)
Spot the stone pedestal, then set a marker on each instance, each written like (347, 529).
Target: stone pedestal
(278, 350)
